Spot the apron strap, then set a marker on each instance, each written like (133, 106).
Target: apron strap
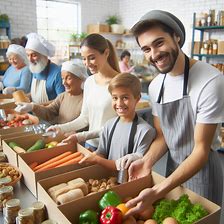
(111, 135)
(161, 90)
(186, 75)
(131, 136)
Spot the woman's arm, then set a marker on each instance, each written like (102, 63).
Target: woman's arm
(25, 80)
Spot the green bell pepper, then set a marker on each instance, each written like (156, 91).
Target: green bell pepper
(110, 198)
(88, 217)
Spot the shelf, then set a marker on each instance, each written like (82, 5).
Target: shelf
(209, 27)
(121, 34)
(210, 55)
(4, 24)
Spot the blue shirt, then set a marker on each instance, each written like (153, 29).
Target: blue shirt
(20, 79)
(52, 75)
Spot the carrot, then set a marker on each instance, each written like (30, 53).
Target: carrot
(63, 155)
(72, 161)
(33, 165)
(63, 160)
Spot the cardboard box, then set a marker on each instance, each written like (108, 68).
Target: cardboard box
(142, 104)
(93, 172)
(98, 28)
(30, 177)
(6, 96)
(7, 104)
(69, 213)
(220, 47)
(24, 142)
(13, 132)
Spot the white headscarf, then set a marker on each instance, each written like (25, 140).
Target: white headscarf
(39, 44)
(75, 67)
(17, 49)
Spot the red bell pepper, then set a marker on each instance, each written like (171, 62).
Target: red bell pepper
(111, 215)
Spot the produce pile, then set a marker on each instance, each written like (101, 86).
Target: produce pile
(112, 210)
(182, 210)
(39, 144)
(8, 174)
(66, 158)
(15, 120)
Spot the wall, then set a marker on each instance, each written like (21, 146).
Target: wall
(22, 16)
(183, 9)
(93, 11)
(23, 20)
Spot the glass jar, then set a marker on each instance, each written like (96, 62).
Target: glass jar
(39, 212)
(6, 194)
(10, 211)
(25, 216)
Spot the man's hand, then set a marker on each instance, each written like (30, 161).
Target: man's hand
(144, 200)
(24, 107)
(138, 169)
(125, 161)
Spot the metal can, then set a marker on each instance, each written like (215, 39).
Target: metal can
(39, 212)
(6, 193)
(25, 216)
(10, 211)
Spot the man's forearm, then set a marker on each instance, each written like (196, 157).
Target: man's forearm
(157, 149)
(188, 168)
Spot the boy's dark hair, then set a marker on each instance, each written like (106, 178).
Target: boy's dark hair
(125, 53)
(126, 80)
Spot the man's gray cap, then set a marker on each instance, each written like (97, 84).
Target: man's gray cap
(166, 18)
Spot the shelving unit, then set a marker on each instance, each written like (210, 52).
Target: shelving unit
(4, 65)
(74, 51)
(202, 30)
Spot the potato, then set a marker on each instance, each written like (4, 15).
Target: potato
(150, 221)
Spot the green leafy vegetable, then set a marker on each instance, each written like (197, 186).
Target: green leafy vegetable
(182, 210)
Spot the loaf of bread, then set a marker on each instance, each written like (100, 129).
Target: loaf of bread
(82, 185)
(76, 180)
(56, 187)
(69, 196)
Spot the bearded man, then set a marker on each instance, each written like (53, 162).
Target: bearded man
(46, 82)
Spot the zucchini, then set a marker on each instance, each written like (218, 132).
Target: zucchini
(39, 144)
(12, 144)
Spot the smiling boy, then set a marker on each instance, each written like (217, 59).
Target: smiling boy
(124, 138)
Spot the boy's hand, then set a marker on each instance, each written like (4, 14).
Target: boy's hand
(138, 169)
(125, 161)
(90, 158)
(72, 139)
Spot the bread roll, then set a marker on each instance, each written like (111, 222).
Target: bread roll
(70, 196)
(61, 191)
(77, 180)
(81, 185)
(56, 187)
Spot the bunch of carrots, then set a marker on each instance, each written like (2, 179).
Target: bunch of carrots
(64, 159)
